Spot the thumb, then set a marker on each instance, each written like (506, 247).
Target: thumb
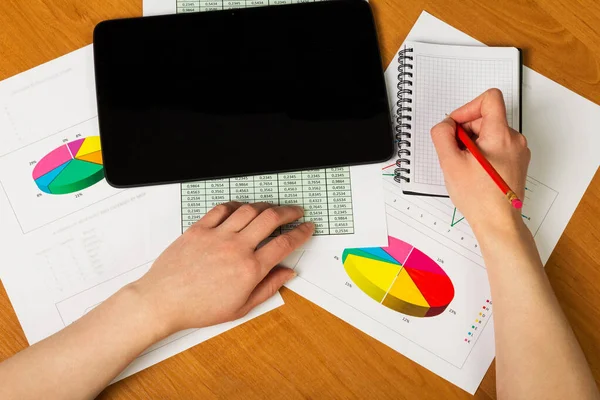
(267, 288)
(443, 136)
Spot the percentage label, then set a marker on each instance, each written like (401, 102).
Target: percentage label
(406, 320)
(32, 162)
(451, 311)
(348, 284)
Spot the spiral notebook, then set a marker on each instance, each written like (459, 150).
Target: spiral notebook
(432, 81)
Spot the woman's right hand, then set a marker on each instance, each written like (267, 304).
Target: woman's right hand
(470, 187)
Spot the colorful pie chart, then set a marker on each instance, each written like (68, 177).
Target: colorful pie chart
(71, 167)
(400, 277)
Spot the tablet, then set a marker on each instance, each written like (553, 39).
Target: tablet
(242, 92)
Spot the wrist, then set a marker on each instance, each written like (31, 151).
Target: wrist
(490, 231)
(143, 311)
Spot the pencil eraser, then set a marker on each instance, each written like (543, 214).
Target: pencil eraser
(518, 204)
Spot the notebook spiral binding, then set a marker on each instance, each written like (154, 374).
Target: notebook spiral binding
(403, 123)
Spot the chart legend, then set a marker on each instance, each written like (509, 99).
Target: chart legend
(400, 277)
(71, 167)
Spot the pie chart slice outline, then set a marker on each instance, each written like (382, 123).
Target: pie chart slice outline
(63, 172)
(421, 288)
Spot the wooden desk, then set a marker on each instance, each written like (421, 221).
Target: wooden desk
(301, 351)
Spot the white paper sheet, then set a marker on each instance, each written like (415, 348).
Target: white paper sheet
(64, 254)
(560, 171)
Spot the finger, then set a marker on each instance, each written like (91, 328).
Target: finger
(218, 214)
(279, 248)
(443, 136)
(241, 217)
(267, 288)
(473, 126)
(488, 105)
(269, 220)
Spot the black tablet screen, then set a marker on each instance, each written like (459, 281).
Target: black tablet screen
(229, 93)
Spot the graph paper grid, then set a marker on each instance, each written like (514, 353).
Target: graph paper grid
(441, 85)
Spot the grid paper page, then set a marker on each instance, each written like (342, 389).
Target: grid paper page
(445, 78)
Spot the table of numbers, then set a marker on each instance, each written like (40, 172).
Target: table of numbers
(325, 195)
(185, 6)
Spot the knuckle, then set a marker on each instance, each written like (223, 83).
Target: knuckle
(250, 265)
(249, 210)
(522, 140)
(271, 215)
(194, 230)
(221, 209)
(285, 242)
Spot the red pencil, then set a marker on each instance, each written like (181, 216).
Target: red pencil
(470, 145)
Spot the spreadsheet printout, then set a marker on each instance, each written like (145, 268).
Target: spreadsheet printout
(346, 204)
(325, 195)
(157, 7)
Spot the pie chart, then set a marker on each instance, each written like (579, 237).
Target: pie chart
(400, 277)
(71, 167)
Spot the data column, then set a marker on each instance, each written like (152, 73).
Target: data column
(188, 6)
(211, 5)
(339, 198)
(290, 193)
(314, 189)
(217, 192)
(242, 189)
(193, 203)
(265, 188)
(279, 2)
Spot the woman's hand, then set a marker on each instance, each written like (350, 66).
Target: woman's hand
(470, 188)
(213, 273)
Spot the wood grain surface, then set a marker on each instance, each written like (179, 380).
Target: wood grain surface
(299, 350)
